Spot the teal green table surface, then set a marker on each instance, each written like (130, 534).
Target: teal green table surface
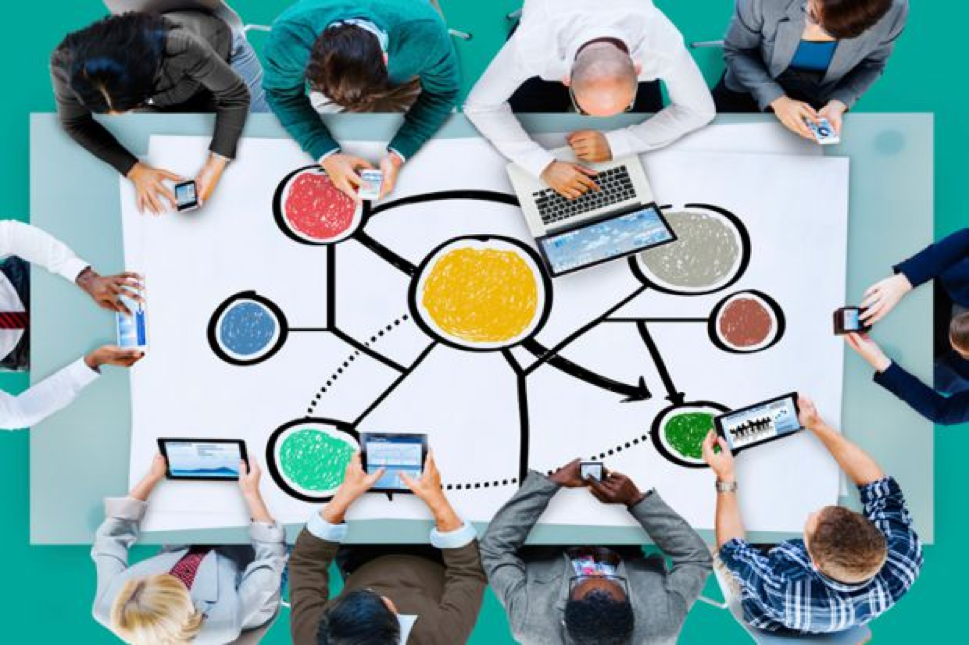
(48, 590)
(84, 209)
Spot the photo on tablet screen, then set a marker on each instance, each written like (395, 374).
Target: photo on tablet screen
(398, 454)
(203, 460)
(760, 423)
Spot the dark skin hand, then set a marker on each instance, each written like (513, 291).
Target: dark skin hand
(616, 489)
(568, 475)
(106, 291)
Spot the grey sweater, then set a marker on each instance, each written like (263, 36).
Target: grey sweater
(534, 590)
(195, 76)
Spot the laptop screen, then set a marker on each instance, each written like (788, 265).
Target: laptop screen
(605, 239)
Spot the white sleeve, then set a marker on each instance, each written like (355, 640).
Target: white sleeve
(39, 247)
(691, 107)
(45, 398)
(488, 109)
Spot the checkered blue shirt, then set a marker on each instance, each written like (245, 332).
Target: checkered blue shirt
(784, 591)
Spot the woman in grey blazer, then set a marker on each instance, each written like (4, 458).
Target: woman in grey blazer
(806, 59)
(186, 61)
(205, 595)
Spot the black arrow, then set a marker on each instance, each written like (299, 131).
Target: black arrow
(638, 392)
(672, 395)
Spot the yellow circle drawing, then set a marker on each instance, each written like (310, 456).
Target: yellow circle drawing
(481, 295)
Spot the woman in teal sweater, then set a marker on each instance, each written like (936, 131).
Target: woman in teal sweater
(359, 53)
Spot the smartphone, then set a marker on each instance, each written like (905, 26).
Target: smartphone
(203, 459)
(847, 320)
(823, 131)
(132, 330)
(372, 183)
(186, 196)
(591, 470)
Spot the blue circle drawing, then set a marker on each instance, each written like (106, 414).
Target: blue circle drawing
(247, 328)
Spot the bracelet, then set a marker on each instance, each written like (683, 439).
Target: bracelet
(726, 487)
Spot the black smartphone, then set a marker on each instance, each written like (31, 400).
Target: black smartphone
(591, 470)
(186, 196)
(847, 320)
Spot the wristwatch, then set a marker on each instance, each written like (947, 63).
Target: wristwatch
(726, 487)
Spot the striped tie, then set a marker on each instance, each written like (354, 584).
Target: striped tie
(13, 319)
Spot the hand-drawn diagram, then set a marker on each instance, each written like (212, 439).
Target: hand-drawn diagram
(490, 293)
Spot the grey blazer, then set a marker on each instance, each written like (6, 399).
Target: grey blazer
(234, 591)
(534, 591)
(764, 35)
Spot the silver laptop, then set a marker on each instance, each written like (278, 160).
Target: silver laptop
(616, 221)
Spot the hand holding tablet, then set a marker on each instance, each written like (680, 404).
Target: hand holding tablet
(759, 423)
(204, 459)
(395, 455)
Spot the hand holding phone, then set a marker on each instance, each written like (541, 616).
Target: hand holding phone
(823, 131)
(186, 196)
(372, 183)
(848, 320)
(591, 470)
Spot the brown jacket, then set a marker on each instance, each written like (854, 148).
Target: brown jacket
(445, 598)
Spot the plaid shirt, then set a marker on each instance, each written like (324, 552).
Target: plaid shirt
(784, 591)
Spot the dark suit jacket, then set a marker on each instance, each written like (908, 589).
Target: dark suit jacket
(194, 76)
(445, 598)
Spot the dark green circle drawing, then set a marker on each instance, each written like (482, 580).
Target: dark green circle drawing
(685, 433)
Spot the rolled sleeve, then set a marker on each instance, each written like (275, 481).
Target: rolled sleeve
(453, 539)
(320, 528)
(263, 532)
(741, 559)
(125, 508)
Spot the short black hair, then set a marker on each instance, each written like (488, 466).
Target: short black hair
(358, 618)
(599, 619)
(851, 18)
(347, 65)
(113, 63)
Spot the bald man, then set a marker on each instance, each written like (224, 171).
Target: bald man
(595, 59)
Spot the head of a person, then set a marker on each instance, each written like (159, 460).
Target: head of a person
(959, 335)
(155, 610)
(843, 19)
(598, 612)
(348, 65)
(360, 617)
(115, 61)
(604, 78)
(845, 545)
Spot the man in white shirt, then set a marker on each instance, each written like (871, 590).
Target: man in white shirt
(28, 244)
(602, 53)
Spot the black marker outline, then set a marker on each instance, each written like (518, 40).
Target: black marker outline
(212, 331)
(274, 472)
(280, 218)
(396, 383)
(656, 430)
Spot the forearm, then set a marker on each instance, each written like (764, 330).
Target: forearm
(445, 518)
(258, 511)
(45, 398)
(944, 410)
(302, 122)
(142, 490)
(855, 462)
(729, 523)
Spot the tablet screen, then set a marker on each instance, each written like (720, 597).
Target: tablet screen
(189, 459)
(398, 454)
(760, 423)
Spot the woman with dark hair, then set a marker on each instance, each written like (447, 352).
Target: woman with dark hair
(177, 62)
(946, 403)
(806, 59)
(361, 56)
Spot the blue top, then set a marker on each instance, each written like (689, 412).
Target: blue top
(947, 260)
(814, 56)
(784, 592)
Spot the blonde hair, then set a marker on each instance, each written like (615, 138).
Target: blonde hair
(155, 610)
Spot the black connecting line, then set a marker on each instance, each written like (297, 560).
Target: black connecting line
(673, 395)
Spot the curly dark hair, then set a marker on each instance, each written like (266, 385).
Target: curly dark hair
(598, 619)
(113, 63)
(358, 618)
(851, 18)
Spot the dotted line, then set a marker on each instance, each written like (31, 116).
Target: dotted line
(352, 357)
(492, 484)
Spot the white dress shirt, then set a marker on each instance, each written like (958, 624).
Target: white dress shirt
(545, 44)
(55, 392)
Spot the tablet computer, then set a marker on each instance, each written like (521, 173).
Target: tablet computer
(203, 459)
(397, 453)
(759, 423)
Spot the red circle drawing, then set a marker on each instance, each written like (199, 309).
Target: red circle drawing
(314, 208)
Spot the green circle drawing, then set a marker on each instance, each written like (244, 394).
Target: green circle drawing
(314, 460)
(685, 433)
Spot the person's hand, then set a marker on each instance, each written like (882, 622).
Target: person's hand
(590, 146)
(150, 188)
(807, 413)
(869, 350)
(112, 355)
(158, 468)
(834, 112)
(881, 297)
(106, 291)
(720, 462)
(569, 475)
(208, 177)
(569, 179)
(342, 171)
(616, 489)
(249, 475)
(356, 482)
(390, 166)
(792, 114)
(156, 472)
(428, 488)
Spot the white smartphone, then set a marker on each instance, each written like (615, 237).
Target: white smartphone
(824, 132)
(372, 183)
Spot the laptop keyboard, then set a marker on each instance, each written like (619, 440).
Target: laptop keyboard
(615, 186)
